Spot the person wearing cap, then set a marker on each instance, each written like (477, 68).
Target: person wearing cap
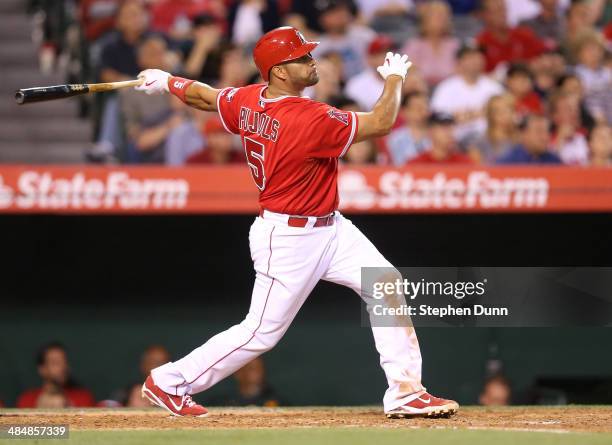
(443, 145)
(465, 94)
(365, 87)
(219, 148)
(343, 36)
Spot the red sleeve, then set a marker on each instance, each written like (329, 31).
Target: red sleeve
(534, 45)
(330, 131)
(228, 109)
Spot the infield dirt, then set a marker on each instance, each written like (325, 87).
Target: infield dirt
(568, 418)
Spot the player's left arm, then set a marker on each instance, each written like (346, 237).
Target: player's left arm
(195, 94)
(381, 119)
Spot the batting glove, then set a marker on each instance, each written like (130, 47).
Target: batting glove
(394, 64)
(154, 82)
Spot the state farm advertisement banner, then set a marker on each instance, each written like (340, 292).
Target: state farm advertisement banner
(142, 190)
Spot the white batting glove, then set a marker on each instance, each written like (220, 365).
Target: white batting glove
(154, 82)
(394, 64)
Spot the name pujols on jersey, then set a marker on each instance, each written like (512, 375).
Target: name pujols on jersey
(258, 123)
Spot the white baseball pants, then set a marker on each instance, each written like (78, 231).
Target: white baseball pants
(289, 261)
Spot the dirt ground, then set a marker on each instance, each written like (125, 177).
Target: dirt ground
(572, 418)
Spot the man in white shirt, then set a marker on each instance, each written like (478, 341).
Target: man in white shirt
(366, 87)
(465, 94)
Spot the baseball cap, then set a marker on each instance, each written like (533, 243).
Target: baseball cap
(438, 118)
(380, 44)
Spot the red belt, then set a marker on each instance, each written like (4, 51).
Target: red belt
(302, 221)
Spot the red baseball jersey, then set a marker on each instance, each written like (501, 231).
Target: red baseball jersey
(292, 145)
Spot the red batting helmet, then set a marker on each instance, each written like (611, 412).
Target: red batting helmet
(280, 45)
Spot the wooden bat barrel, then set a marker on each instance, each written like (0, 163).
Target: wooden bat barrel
(41, 94)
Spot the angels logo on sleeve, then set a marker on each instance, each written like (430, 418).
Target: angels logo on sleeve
(230, 94)
(339, 115)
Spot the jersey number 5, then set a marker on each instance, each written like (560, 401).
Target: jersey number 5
(255, 158)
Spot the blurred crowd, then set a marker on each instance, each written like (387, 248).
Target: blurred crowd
(59, 389)
(493, 81)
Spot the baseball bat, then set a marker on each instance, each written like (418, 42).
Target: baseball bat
(42, 94)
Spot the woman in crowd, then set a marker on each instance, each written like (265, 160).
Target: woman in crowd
(434, 51)
(501, 130)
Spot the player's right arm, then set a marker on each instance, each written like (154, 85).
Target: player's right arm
(380, 120)
(195, 94)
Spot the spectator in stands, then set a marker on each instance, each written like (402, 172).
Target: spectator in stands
(596, 78)
(252, 19)
(501, 130)
(234, 70)
(186, 137)
(465, 94)
(435, 50)
(330, 79)
(343, 36)
(119, 62)
(306, 16)
(571, 84)
(174, 17)
(443, 149)
(119, 59)
(547, 68)
(548, 24)
(519, 83)
(578, 19)
(253, 388)
(521, 10)
(415, 82)
(534, 146)
(361, 153)
(568, 138)
(372, 9)
(366, 87)
(344, 103)
(58, 389)
(149, 120)
(97, 17)
(500, 42)
(463, 7)
(600, 145)
(412, 138)
(153, 357)
(205, 47)
(496, 392)
(219, 149)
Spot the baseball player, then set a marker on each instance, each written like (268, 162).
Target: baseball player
(292, 145)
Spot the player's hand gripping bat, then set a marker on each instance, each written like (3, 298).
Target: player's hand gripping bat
(42, 94)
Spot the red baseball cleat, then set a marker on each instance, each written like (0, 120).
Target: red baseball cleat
(181, 406)
(425, 405)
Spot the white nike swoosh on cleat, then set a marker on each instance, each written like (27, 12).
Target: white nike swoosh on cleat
(178, 408)
(425, 401)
